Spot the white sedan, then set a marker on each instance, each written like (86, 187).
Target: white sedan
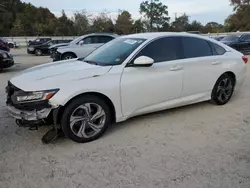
(129, 76)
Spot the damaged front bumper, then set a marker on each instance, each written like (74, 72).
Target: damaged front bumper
(34, 115)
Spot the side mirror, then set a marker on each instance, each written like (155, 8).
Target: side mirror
(81, 43)
(143, 61)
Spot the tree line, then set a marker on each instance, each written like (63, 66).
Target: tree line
(24, 19)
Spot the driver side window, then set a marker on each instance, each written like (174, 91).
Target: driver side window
(163, 49)
(87, 40)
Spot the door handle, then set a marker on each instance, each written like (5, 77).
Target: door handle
(216, 62)
(176, 68)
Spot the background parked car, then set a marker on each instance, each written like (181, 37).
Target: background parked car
(238, 42)
(43, 49)
(6, 60)
(219, 38)
(39, 41)
(13, 44)
(4, 45)
(83, 46)
(53, 48)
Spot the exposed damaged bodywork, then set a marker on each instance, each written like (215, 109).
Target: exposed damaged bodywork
(31, 114)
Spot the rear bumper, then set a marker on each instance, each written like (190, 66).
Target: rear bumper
(34, 115)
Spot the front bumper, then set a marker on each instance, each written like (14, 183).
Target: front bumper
(6, 63)
(33, 115)
(56, 56)
(30, 51)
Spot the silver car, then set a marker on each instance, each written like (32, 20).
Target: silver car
(83, 46)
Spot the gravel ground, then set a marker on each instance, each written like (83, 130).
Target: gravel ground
(198, 146)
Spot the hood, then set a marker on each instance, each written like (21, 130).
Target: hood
(59, 45)
(228, 42)
(53, 75)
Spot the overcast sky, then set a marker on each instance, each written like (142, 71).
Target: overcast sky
(201, 10)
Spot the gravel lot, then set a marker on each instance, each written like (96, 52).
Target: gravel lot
(199, 146)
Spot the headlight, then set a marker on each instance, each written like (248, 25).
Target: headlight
(31, 48)
(35, 96)
(4, 55)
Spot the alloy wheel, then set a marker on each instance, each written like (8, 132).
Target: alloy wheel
(224, 89)
(87, 120)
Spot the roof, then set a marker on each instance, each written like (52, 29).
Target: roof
(159, 34)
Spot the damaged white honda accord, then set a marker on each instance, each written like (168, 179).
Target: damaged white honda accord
(129, 76)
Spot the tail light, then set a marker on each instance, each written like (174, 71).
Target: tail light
(245, 59)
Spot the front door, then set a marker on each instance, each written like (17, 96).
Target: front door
(145, 89)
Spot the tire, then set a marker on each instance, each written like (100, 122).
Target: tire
(77, 124)
(68, 56)
(11, 46)
(38, 52)
(223, 90)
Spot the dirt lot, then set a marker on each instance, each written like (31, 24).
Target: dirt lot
(199, 146)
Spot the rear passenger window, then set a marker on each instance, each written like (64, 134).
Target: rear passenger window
(164, 49)
(104, 39)
(218, 50)
(194, 47)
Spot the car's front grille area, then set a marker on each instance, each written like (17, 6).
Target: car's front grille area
(29, 106)
(10, 90)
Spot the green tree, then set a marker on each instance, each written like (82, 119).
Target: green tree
(65, 26)
(102, 23)
(155, 12)
(213, 27)
(18, 28)
(239, 21)
(195, 26)
(124, 23)
(238, 3)
(138, 26)
(81, 22)
(181, 23)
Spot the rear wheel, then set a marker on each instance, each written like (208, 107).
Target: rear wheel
(68, 56)
(86, 119)
(223, 89)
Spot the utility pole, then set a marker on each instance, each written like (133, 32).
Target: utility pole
(175, 16)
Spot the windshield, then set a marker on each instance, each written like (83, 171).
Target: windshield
(75, 40)
(230, 38)
(114, 52)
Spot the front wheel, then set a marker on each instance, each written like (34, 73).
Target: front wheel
(38, 52)
(223, 89)
(86, 119)
(68, 56)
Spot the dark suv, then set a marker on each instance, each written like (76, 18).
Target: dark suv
(38, 41)
(239, 42)
(44, 48)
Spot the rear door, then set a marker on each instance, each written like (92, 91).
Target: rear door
(201, 66)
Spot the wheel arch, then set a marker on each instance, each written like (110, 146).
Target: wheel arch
(231, 74)
(68, 52)
(97, 94)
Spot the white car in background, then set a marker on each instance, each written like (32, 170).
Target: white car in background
(82, 46)
(129, 76)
